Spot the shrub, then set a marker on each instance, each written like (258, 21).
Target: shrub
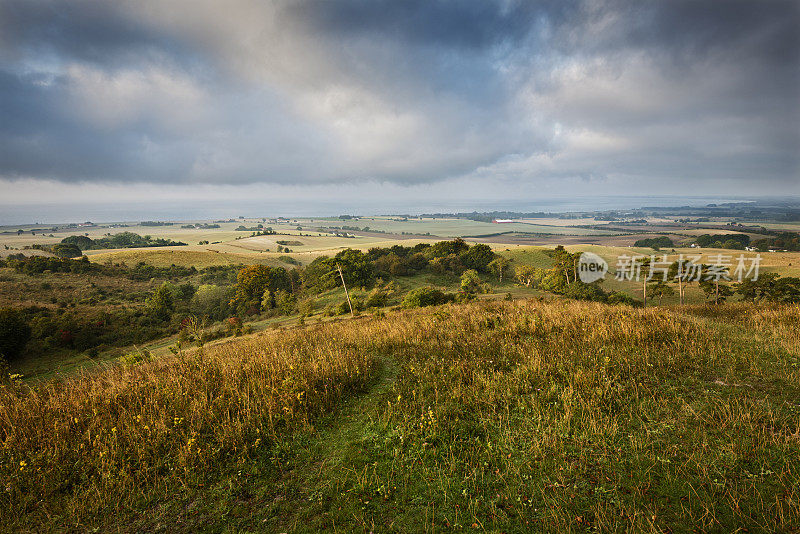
(622, 298)
(285, 302)
(426, 296)
(234, 325)
(136, 357)
(581, 291)
(471, 282)
(306, 306)
(376, 299)
(14, 333)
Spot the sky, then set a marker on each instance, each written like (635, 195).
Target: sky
(377, 105)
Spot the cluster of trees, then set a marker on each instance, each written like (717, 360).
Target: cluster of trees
(445, 257)
(789, 241)
(200, 226)
(258, 230)
(782, 241)
(562, 279)
(32, 265)
(730, 241)
(770, 287)
(714, 282)
(72, 246)
(99, 319)
(655, 243)
(14, 334)
(260, 288)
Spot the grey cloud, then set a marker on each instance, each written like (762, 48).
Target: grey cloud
(408, 92)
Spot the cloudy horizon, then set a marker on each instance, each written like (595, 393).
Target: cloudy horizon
(413, 101)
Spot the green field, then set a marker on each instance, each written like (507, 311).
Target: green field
(448, 228)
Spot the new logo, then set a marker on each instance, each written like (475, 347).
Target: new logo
(591, 267)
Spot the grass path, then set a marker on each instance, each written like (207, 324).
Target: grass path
(331, 464)
(301, 484)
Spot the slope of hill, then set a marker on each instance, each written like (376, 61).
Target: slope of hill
(497, 416)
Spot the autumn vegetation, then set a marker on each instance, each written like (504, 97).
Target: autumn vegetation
(518, 416)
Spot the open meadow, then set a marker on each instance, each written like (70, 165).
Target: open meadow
(506, 416)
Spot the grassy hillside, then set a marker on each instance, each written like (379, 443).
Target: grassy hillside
(494, 416)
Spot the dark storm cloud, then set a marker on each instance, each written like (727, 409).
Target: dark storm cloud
(319, 92)
(87, 31)
(471, 26)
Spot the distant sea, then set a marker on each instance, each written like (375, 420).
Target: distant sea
(171, 211)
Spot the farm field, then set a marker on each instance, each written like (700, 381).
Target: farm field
(448, 228)
(791, 226)
(227, 246)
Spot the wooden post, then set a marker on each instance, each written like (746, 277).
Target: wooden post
(345, 290)
(644, 292)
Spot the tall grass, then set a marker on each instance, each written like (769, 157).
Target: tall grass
(582, 415)
(110, 442)
(503, 416)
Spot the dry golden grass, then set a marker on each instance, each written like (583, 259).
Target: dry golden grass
(103, 442)
(498, 416)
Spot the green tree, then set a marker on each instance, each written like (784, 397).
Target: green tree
(786, 290)
(81, 241)
(160, 304)
(306, 306)
(212, 301)
(500, 267)
(285, 301)
(660, 289)
(529, 276)
(471, 282)
(684, 272)
(66, 250)
(252, 282)
(713, 288)
(756, 290)
(478, 257)
(566, 264)
(445, 248)
(14, 333)
(323, 274)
